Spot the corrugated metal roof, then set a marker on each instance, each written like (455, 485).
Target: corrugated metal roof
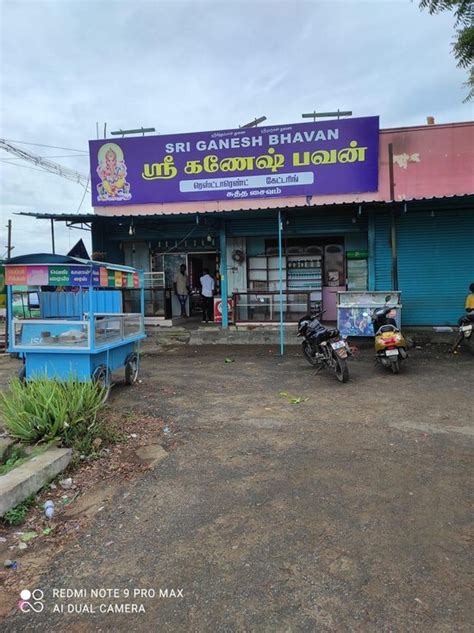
(89, 217)
(40, 259)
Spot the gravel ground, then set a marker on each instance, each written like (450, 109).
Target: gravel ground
(345, 512)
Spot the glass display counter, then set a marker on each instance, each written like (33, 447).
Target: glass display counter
(354, 306)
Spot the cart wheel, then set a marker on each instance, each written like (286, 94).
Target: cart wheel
(101, 377)
(131, 369)
(22, 374)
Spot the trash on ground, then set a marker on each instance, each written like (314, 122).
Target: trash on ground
(22, 545)
(49, 509)
(97, 443)
(167, 430)
(66, 484)
(27, 536)
(298, 400)
(67, 500)
(229, 360)
(10, 564)
(292, 399)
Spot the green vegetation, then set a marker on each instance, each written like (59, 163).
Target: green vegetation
(463, 45)
(43, 410)
(19, 456)
(17, 515)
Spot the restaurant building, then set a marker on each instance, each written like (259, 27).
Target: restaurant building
(289, 217)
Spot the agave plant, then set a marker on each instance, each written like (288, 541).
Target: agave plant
(44, 409)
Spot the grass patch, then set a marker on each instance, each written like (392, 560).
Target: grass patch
(19, 456)
(43, 410)
(82, 438)
(17, 515)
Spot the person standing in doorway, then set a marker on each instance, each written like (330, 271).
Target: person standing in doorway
(181, 288)
(207, 292)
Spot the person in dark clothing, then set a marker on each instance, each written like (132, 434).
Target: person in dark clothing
(207, 293)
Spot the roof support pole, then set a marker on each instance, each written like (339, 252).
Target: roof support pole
(393, 228)
(393, 243)
(91, 319)
(9, 331)
(371, 249)
(223, 274)
(280, 278)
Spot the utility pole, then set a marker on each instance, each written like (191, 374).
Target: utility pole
(9, 250)
(52, 237)
(9, 239)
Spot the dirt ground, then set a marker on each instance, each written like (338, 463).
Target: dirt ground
(345, 512)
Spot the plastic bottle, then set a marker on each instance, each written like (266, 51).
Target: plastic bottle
(49, 509)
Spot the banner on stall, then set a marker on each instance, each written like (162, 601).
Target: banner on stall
(71, 276)
(302, 159)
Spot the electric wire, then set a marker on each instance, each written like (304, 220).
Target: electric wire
(84, 194)
(86, 187)
(180, 242)
(43, 163)
(68, 149)
(25, 167)
(47, 157)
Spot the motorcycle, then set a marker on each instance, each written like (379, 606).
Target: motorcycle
(390, 344)
(465, 332)
(323, 347)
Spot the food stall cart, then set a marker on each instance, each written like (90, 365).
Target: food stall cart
(80, 329)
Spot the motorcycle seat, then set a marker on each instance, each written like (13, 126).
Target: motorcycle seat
(386, 328)
(324, 334)
(466, 319)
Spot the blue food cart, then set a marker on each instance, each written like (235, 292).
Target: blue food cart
(79, 328)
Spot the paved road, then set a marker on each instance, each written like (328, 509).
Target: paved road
(346, 512)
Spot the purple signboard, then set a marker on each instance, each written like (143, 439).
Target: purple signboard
(330, 157)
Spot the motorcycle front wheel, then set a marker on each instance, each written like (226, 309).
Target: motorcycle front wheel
(309, 355)
(395, 365)
(341, 369)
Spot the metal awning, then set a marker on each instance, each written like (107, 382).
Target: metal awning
(466, 200)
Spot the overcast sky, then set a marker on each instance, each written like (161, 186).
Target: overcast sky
(184, 66)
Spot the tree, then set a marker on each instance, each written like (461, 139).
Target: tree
(463, 46)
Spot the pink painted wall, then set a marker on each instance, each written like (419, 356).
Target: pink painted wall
(429, 161)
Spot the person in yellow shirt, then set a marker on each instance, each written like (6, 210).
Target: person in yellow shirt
(470, 300)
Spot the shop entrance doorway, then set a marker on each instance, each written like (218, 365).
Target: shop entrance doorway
(169, 264)
(197, 263)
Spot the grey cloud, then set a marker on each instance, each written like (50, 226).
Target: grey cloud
(190, 66)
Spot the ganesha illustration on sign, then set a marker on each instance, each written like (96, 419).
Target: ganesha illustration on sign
(112, 172)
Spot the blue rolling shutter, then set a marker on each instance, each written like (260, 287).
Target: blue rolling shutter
(435, 263)
(383, 253)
